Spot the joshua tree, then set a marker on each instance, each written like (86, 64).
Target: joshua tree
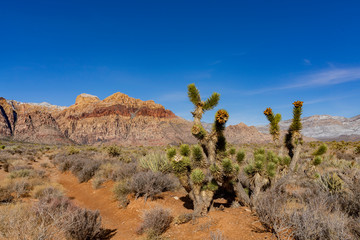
(207, 171)
(293, 138)
(274, 128)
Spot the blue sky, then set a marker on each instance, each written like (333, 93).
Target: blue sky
(256, 54)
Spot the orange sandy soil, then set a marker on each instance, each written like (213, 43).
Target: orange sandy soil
(234, 223)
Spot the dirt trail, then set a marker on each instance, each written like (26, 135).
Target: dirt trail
(235, 224)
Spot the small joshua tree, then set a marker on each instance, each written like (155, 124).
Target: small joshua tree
(274, 127)
(293, 138)
(207, 170)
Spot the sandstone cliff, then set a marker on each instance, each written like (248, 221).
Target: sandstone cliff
(117, 119)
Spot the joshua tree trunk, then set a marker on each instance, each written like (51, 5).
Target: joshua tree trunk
(201, 200)
(241, 195)
(295, 158)
(259, 183)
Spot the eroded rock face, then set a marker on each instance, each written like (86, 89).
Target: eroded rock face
(326, 127)
(241, 133)
(117, 119)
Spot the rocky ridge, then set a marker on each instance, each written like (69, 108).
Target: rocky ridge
(326, 127)
(124, 120)
(117, 119)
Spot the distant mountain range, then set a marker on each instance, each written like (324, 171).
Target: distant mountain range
(326, 127)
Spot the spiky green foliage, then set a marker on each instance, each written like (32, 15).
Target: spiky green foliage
(240, 156)
(214, 169)
(155, 162)
(180, 165)
(272, 157)
(333, 183)
(211, 102)
(194, 94)
(211, 186)
(232, 151)
(317, 161)
(293, 137)
(249, 170)
(227, 166)
(171, 152)
(197, 154)
(296, 125)
(197, 176)
(321, 150)
(271, 169)
(185, 150)
(198, 131)
(357, 150)
(274, 127)
(284, 161)
(236, 168)
(265, 163)
(259, 151)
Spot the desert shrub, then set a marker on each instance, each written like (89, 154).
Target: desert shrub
(149, 184)
(2, 147)
(270, 210)
(5, 195)
(332, 182)
(97, 182)
(155, 222)
(183, 218)
(55, 206)
(20, 221)
(156, 162)
(72, 150)
(307, 213)
(218, 235)
(185, 150)
(123, 171)
(45, 165)
(121, 190)
(22, 187)
(88, 171)
(319, 221)
(46, 191)
(86, 224)
(21, 173)
(350, 200)
(357, 150)
(113, 151)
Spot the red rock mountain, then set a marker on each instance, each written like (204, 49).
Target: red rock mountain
(117, 119)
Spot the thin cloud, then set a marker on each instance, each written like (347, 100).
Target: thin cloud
(323, 78)
(307, 62)
(199, 75)
(216, 62)
(173, 97)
